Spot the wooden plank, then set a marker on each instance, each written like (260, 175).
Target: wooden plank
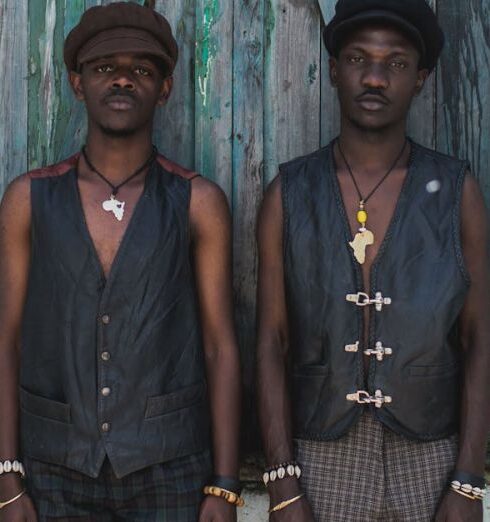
(13, 94)
(214, 47)
(292, 81)
(463, 105)
(422, 117)
(248, 107)
(174, 124)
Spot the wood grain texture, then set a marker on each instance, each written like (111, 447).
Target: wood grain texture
(292, 81)
(175, 123)
(248, 129)
(214, 92)
(13, 94)
(463, 106)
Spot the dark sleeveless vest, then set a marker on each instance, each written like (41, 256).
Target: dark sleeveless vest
(111, 368)
(414, 390)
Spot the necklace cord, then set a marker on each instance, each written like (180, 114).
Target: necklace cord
(361, 199)
(115, 188)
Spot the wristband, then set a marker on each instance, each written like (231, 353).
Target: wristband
(468, 478)
(285, 503)
(228, 483)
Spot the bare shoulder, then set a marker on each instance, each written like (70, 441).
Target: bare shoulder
(209, 207)
(270, 215)
(16, 206)
(474, 216)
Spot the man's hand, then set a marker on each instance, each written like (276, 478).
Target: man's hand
(21, 510)
(299, 511)
(214, 509)
(456, 508)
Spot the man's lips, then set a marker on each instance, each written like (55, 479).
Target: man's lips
(119, 103)
(372, 102)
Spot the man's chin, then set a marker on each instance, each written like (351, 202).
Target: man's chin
(118, 132)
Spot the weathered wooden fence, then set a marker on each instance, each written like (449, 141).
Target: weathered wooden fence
(251, 91)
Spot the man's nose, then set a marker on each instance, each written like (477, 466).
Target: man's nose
(123, 80)
(375, 76)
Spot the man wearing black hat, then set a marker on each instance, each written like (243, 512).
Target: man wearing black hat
(118, 357)
(373, 349)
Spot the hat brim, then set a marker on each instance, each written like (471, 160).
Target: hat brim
(114, 42)
(375, 15)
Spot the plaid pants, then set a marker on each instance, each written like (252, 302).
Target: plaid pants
(168, 492)
(372, 474)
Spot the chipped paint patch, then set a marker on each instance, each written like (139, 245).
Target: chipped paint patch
(312, 73)
(206, 47)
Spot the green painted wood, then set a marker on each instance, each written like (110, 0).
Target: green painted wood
(463, 105)
(248, 131)
(175, 123)
(292, 81)
(13, 94)
(214, 93)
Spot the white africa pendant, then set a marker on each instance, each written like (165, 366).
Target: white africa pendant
(115, 206)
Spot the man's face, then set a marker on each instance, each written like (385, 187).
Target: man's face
(377, 76)
(121, 92)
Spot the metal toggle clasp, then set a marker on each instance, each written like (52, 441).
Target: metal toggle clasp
(380, 351)
(352, 348)
(363, 397)
(362, 299)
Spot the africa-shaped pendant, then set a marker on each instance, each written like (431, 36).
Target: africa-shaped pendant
(115, 206)
(363, 238)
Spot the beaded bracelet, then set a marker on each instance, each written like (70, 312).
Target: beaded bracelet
(284, 470)
(12, 466)
(467, 490)
(229, 496)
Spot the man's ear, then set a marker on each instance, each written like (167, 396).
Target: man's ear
(165, 90)
(76, 85)
(332, 62)
(422, 76)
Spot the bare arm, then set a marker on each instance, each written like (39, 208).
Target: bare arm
(14, 267)
(272, 350)
(212, 246)
(475, 340)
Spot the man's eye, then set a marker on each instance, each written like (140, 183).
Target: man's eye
(104, 68)
(355, 59)
(143, 71)
(398, 65)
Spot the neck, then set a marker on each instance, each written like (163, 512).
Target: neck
(371, 151)
(117, 158)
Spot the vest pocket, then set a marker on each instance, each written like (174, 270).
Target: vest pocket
(43, 407)
(163, 404)
(441, 370)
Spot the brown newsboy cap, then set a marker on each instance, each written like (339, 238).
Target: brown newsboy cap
(117, 28)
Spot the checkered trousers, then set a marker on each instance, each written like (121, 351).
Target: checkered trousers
(168, 492)
(374, 475)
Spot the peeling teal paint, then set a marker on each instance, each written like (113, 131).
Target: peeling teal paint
(206, 47)
(312, 73)
(269, 23)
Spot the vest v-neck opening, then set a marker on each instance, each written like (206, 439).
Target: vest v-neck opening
(107, 278)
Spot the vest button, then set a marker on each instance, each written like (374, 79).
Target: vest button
(106, 391)
(106, 319)
(105, 356)
(106, 427)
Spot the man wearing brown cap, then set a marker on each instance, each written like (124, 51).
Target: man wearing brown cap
(374, 341)
(118, 357)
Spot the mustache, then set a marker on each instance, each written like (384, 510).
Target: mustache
(370, 91)
(119, 93)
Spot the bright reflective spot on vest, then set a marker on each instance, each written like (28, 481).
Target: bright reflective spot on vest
(433, 186)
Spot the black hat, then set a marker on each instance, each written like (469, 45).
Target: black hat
(120, 27)
(414, 17)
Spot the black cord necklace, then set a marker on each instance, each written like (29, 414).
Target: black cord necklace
(365, 237)
(112, 204)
